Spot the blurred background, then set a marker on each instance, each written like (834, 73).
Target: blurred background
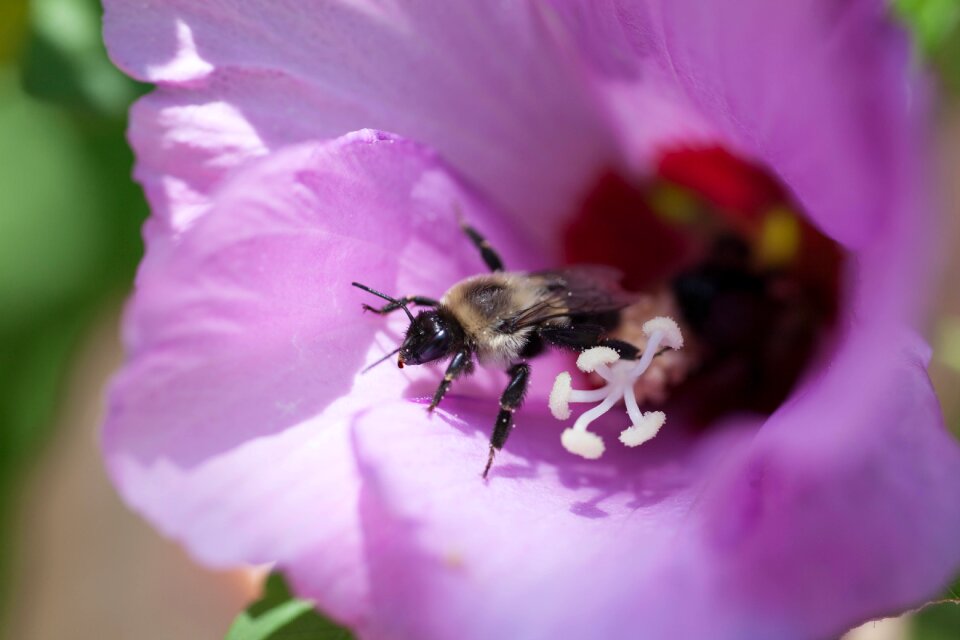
(73, 562)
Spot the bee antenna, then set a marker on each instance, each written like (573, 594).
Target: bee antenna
(385, 297)
(381, 360)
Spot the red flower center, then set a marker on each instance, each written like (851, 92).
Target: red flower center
(756, 283)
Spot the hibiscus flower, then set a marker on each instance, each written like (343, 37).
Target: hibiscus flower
(241, 426)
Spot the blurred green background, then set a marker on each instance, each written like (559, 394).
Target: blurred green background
(69, 244)
(69, 213)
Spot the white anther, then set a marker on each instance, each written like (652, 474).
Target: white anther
(583, 443)
(644, 429)
(592, 359)
(672, 337)
(620, 377)
(560, 396)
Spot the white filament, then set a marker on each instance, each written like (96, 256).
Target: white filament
(620, 377)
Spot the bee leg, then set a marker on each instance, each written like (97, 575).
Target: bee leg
(585, 336)
(575, 338)
(390, 307)
(626, 350)
(490, 257)
(461, 363)
(510, 401)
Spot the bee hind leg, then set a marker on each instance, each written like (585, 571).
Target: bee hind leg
(510, 401)
(573, 337)
(625, 350)
(581, 337)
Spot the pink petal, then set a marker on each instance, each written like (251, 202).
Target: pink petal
(822, 92)
(486, 85)
(792, 530)
(852, 482)
(227, 425)
(549, 547)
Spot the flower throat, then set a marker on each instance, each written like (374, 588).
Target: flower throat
(717, 244)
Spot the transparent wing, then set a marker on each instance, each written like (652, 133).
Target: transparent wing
(571, 291)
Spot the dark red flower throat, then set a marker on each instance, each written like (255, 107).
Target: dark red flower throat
(753, 280)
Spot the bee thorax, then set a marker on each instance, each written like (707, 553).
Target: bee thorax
(501, 349)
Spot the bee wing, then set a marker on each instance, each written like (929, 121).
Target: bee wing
(569, 291)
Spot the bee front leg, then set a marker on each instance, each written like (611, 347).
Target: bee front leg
(461, 363)
(390, 307)
(510, 401)
(489, 255)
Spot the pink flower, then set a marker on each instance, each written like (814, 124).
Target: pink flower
(240, 426)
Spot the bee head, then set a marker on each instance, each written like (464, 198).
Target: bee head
(430, 336)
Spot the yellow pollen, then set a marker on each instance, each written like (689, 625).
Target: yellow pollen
(779, 241)
(674, 204)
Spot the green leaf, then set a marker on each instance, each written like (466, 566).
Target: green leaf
(935, 25)
(66, 63)
(13, 27)
(938, 620)
(51, 236)
(70, 215)
(38, 357)
(933, 22)
(278, 615)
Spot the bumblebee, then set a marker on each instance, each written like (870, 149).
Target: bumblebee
(504, 318)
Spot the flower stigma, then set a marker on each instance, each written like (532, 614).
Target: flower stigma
(620, 377)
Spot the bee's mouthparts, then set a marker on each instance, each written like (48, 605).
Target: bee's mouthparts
(400, 361)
